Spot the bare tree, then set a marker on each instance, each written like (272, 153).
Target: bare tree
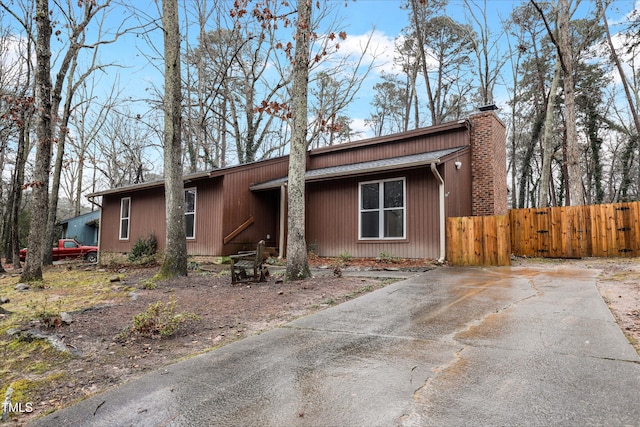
(562, 41)
(407, 59)
(48, 120)
(330, 127)
(17, 103)
(486, 46)
(239, 82)
(389, 104)
(633, 108)
(444, 46)
(86, 123)
(77, 40)
(37, 244)
(205, 138)
(175, 256)
(122, 145)
(547, 148)
(297, 262)
(532, 78)
(516, 53)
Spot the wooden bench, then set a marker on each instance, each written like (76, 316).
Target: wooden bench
(249, 266)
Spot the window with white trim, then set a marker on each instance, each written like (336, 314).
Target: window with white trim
(382, 209)
(190, 212)
(125, 215)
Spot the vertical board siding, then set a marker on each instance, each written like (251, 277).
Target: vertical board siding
(209, 211)
(240, 204)
(478, 240)
(389, 149)
(332, 218)
(147, 216)
(456, 182)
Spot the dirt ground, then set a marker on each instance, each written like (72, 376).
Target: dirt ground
(228, 313)
(619, 285)
(104, 358)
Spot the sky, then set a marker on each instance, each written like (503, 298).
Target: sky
(359, 18)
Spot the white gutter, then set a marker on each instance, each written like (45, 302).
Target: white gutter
(443, 249)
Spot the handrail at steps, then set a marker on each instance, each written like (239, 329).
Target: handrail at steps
(238, 230)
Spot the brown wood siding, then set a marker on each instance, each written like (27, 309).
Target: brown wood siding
(224, 201)
(457, 186)
(419, 144)
(209, 202)
(147, 216)
(332, 218)
(109, 220)
(240, 204)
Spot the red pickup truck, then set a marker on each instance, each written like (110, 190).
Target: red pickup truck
(69, 248)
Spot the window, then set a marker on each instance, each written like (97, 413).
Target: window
(125, 214)
(190, 213)
(382, 205)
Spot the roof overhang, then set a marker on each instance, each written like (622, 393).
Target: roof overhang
(320, 174)
(147, 185)
(374, 166)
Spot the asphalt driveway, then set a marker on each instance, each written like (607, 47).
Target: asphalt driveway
(454, 346)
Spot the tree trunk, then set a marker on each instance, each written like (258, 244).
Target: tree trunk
(525, 174)
(623, 76)
(297, 262)
(545, 179)
(175, 257)
(39, 208)
(627, 155)
(423, 60)
(57, 169)
(77, 204)
(18, 180)
(574, 170)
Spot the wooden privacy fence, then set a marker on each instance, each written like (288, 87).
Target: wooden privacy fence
(478, 240)
(611, 230)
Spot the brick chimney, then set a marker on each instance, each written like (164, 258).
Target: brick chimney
(488, 163)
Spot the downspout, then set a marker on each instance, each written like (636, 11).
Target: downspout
(283, 198)
(443, 249)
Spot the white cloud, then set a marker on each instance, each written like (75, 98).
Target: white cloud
(375, 47)
(380, 51)
(359, 127)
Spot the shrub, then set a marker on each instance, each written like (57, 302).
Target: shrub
(159, 319)
(312, 250)
(49, 317)
(144, 248)
(345, 257)
(387, 258)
